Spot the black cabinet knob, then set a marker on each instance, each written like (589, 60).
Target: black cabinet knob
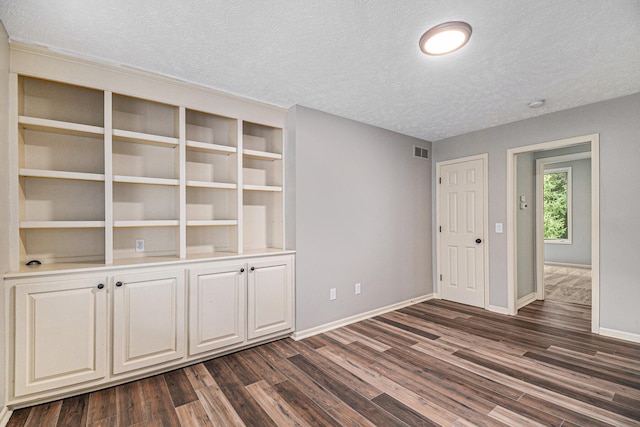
(252, 269)
(478, 241)
(118, 284)
(100, 286)
(242, 270)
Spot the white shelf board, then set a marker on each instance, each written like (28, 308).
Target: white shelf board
(210, 148)
(144, 138)
(261, 155)
(55, 126)
(215, 185)
(125, 179)
(146, 223)
(211, 223)
(78, 176)
(61, 224)
(272, 188)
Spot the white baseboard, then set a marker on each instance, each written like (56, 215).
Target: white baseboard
(566, 264)
(298, 335)
(613, 333)
(499, 310)
(526, 300)
(5, 414)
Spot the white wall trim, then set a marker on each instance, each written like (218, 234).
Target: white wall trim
(526, 300)
(5, 414)
(298, 335)
(499, 310)
(594, 140)
(613, 333)
(485, 161)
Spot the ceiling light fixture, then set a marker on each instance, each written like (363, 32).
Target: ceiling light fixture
(445, 38)
(536, 104)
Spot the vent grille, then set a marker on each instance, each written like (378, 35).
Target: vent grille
(420, 153)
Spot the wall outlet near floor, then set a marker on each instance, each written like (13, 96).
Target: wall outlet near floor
(139, 245)
(358, 288)
(332, 294)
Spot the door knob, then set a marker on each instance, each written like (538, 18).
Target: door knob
(478, 241)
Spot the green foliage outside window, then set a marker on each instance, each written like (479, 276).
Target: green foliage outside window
(556, 222)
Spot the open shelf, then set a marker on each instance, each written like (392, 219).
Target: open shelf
(123, 179)
(61, 224)
(144, 138)
(273, 188)
(77, 176)
(212, 185)
(211, 223)
(261, 155)
(210, 148)
(56, 126)
(147, 223)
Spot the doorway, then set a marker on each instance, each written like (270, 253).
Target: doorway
(462, 221)
(514, 205)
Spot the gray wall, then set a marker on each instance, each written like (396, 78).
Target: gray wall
(579, 251)
(617, 123)
(362, 214)
(526, 225)
(4, 195)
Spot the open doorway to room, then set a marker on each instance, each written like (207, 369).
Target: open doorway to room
(563, 225)
(554, 256)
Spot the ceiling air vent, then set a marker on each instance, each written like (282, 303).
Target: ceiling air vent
(420, 153)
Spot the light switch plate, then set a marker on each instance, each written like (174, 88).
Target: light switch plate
(498, 227)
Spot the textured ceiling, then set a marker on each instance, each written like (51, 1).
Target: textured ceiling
(360, 58)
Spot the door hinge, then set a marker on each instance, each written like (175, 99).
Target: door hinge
(441, 277)
(441, 229)
(439, 180)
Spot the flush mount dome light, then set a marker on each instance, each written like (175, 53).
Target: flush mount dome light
(445, 38)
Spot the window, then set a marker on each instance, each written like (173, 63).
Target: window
(557, 205)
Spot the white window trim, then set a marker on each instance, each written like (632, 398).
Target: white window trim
(568, 240)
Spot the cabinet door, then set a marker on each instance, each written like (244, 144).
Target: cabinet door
(270, 296)
(148, 319)
(60, 334)
(216, 307)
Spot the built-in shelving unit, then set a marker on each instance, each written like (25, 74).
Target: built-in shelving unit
(101, 171)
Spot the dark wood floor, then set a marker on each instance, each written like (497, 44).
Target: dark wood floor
(434, 363)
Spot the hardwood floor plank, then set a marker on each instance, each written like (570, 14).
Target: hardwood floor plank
(132, 408)
(263, 369)
(19, 417)
(179, 387)
(193, 415)
(339, 373)
(402, 412)
(274, 405)
(102, 405)
(372, 412)
(317, 393)
(74, 411)
(245, 406)
(44, 415)
(245, 373)
(159, 401)
(105, 422)
(199, 376)
(304, 405)
(218, 408)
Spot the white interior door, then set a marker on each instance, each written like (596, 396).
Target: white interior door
(462, 217)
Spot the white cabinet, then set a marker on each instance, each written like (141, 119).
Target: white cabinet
(148, 319)
(60, 333)
(216, 307)
(270, 296)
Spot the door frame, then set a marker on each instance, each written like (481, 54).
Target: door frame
(539, 234)
(485, 202)
(594, 140)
